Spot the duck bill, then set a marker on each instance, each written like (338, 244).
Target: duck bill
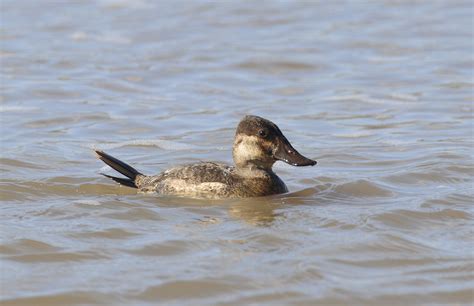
(285, 152)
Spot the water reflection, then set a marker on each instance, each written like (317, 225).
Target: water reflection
(264, 211)
(258, 211)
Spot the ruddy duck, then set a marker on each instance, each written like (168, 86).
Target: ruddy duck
(258, 144)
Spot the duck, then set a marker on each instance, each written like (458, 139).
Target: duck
(258, 144)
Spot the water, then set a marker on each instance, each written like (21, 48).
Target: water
(380, 93)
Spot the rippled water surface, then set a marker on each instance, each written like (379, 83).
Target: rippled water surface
(379, 92)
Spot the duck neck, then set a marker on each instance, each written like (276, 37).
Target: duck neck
(259, 181)
(251, 166)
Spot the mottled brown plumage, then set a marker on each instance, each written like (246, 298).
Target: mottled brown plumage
(258, 144)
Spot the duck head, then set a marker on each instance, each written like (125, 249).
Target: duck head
(260, 143)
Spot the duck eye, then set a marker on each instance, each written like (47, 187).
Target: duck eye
(262, 133)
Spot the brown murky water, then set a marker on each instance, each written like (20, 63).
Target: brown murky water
(379, 92)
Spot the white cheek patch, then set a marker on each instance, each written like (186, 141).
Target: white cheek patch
(248, 149)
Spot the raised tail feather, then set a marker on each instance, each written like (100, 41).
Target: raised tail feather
(121, 167)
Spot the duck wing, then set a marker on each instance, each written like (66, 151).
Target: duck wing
(205, 179)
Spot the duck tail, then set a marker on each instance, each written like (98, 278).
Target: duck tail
(118, 165)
